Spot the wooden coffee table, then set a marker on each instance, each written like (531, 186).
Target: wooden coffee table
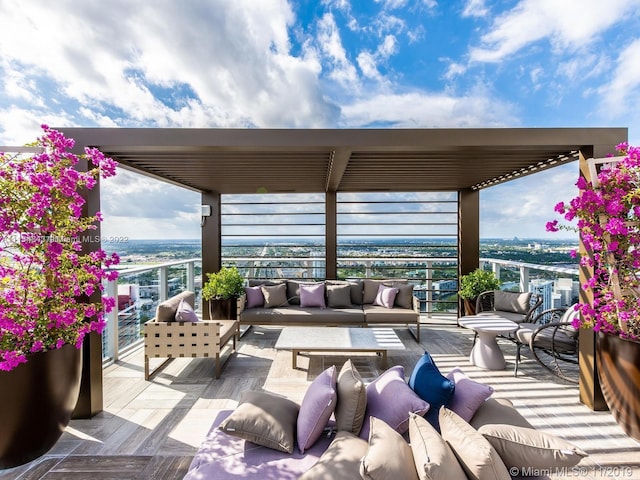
(338, 339)
(485, 352)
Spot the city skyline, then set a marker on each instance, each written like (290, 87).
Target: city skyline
(323, 64)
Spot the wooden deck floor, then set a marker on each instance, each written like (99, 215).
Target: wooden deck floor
(151, 430)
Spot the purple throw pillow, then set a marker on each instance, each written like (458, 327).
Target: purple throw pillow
(255, 298)
(386, 296)
(468, 394)
(312, 295)
(185, 312)
(318, 404)
(390, 399)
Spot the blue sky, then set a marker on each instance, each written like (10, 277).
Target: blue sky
(309, 64)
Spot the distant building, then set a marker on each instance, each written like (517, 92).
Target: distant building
(545, 289)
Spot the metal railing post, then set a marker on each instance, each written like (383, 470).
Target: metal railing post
(112, 322)
(191, 276)
(429, 287)
(163, 286)
(524, 279)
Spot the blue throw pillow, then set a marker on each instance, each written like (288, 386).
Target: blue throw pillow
(430, 385)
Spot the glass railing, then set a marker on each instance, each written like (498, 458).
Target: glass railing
(138, 291)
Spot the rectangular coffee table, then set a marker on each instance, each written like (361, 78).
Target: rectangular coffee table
(338, 339)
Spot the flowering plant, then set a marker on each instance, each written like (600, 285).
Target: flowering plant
(45, 277)
(608, 220)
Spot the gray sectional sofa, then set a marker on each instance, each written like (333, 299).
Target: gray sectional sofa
(343, 303)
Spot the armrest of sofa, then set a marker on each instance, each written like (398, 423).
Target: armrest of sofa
(241, 304)
(415, 304)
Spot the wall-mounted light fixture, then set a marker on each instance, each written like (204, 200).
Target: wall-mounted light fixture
(205, 211)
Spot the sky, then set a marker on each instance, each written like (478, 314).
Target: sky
(319, 64)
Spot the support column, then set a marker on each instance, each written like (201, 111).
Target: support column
(211, 239)
(590, 392)
(468, 232)
(331, 235)
(90, 400)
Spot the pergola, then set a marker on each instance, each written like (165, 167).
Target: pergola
(233, 161)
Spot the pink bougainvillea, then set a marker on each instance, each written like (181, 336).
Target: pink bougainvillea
(608, 220)
(45, 277)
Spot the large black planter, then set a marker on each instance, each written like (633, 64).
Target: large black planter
(618, 362)
(36, 403)
(223, 308)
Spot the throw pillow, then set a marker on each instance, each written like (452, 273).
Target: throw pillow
(498, 411)
(390, 399)
(317, 406)
(312, 295)
(404, 298)
(521, 447)
(386, 296)
(340, 461)
(433, 458)
(275, 295)
(264, 419)
(339, 296)
(255, 298)
(468, 394)
(352, 399)
(433, 387)
(166, 311)
(389, 456)
(185, 312)
(511, 301)
(478, 458)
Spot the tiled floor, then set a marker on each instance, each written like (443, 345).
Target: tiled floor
(150, 430)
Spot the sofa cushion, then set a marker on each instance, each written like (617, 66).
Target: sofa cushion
(433, 387)
(468, 394)
(223, 457)
(317, 406)
(265, 419)
(390, 399)
(356, 286)
(385, 296)
(478, 458)
(388, 456)
(378, 314)
(517, 302)
(275, 295)
(256, 282)
(521, 447)
(352, 399)
(341, 461)
(312, 295)
(293, 290)
(255, 298)
(370, 288)
(432, 456)
(498, 411)
(298, 315)
(339, 296)
(166, 311)
(404, 298)
(185, 312)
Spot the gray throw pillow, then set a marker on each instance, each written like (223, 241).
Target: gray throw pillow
(352, 399)
(515, 302)
(275, 296)
(339, 296)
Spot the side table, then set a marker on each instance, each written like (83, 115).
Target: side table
(486, 353)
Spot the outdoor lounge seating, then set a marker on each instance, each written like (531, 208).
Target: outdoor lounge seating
(553, 341)
(518, 307)
(167, 337)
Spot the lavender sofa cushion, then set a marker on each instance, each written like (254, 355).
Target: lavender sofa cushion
(391, 400)
(468, 394)
(312, 295)
(255, 298)
(185, 312)
(225, 457)
(318, 404)
(386, 296)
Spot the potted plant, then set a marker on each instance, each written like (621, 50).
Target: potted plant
(473, 284)
(607, 215)
(222, 290)
(47, 283)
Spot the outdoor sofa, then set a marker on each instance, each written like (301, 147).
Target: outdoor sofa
(344, 430)
(364, 303)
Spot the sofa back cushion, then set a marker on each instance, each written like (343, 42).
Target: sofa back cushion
(370, 288)
(339, 296)
(166, 311)
(517, 302)
(275, 296)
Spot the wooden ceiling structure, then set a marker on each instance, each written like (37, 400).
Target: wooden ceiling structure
(234, 161)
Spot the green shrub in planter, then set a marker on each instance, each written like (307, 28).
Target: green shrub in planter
(473, 284)
(227, 283)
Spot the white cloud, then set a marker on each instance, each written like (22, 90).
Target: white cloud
(330, 43)
(392, 4)
(623, 88)
(568, 24)
(475, 8)
(455, 70)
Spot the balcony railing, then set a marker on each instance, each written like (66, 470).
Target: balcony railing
(140, 289)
